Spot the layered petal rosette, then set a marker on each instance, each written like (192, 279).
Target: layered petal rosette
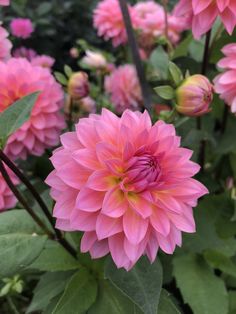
(19, 78)
(203, 13)
(225, 83)
(126, 184)
(7, 198)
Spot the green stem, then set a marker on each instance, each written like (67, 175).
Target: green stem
(12, 305)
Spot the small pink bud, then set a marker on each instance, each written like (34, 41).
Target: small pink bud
(88, 105)
(194, 96)
(94, 60)
(74, 53)
(78, 86)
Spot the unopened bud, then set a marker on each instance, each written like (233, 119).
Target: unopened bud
(78, 86)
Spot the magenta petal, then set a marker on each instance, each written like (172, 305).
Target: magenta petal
(107, 226)
(89, 200)
(135, 227)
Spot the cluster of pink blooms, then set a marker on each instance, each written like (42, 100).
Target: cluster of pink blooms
(21, 28)
(4, 2)
(43, 128)
(148, 18)
(123, 86)
(203, 13)
(126, 184)
(5, 45)
(7, 199)
(225, 83)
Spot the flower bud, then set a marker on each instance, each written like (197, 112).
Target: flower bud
(94, 60)
(194, 96)
(88, 105)
(78, 86)
(74, 53)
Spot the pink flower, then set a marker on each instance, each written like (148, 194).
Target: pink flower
(24, 52)
(151, 24)
(194, 96)
(123, 86)
(108, 21)
(225, 83)
(21, 28)
(78, 85)
(4, 2)
(94, 60)
(203, 14)
(126, 184)
(19, 78)
(43, 61)
(7, 198)
(5, 45)
(88, 104)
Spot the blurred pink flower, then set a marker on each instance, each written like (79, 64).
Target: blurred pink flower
(194, 96)
(225, 83)
(7, 198)
(5, 45)
(4, 2)
(43, 61)
(123, 86)
(21, 28)
(19, 78)
(108, 21)
(78, 85)
(94, 59)
(23, 52)
(88, 104)
(203, 13)
(126, 184)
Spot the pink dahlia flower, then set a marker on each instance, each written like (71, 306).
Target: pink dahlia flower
(7, 199)
(203, 14)
(23, 52)
(151, 23)
(123, 86)
(108, 21)
(126, 184)
(225, 83)
(43, 128)
(4, 2)
(21, 28)
(43, 61)
(5, 45)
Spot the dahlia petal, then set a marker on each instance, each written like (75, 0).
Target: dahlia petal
(89, 200)
(140, 204)
(87, 158)
(160, 221)
(101, 180)
(84, 221)
(114, 204)
(135, 227)
(70, 141)
(116, 246)
(107, 226)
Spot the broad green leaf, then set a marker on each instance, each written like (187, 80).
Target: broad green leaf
(44, 8)
(15, 116)
(112, 300)
(68, 70)
(142, 283)
(18, 250)
(200, 288)
(54, 258)
(159, 61)
(79, 295)
(182, 49)
(220, 261)
(166, 305)
(175, 73)
(49, 286)
(61, 78)
(165, 92)
(232, 302)
(18, 221)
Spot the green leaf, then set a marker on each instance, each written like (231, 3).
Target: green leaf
(165, 92)
(159, 62)
(15, 116)
(44, 8)
(61, 78)
(54, 258)
(200, 288)
(219, 261)
(232, 302)
(80, 293)
(68, 70)
(18, 250)
(182, 49)
(49, 286)
(111, 300)
(142, 284)
(166, 305)
(175, 73)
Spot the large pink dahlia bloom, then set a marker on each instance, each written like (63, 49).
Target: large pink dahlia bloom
(108, 21)
(22, 28)
(19, 78)
(225, 83)
(7, 199)
(124, 88)
(203, 14)
(5, 45)
(126, 184)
